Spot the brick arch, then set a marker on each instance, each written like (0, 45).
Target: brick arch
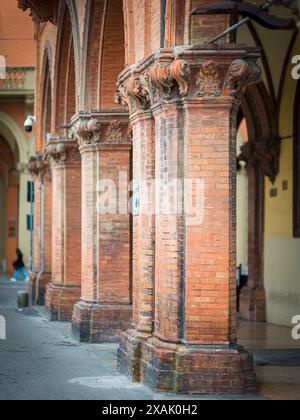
(46, 97)
(129, 32)
(104, 47)
(262, 156)
(65, 74)
(72, 6)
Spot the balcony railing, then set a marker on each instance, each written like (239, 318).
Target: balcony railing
(19, 80)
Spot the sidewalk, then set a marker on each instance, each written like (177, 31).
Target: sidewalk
(40, 361)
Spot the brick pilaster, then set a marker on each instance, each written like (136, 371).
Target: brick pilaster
(41, 274)
(194, 96)
(65, 288)
(143, 245)
(104, 310)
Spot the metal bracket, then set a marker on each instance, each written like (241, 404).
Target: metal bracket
(258, 14)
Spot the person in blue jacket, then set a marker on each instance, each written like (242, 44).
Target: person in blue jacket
(19, 268)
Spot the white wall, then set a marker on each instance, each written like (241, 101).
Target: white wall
(282, 279)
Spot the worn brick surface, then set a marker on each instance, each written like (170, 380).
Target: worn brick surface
(65, 288)
(105, 308)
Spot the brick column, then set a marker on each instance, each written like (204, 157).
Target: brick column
(104, 310)
(143, 245)
(194, 96)
(41, 274)
(65, 288)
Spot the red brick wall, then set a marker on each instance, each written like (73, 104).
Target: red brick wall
(66, 224)
(114, 235)
(72, 233)
(143, 226)
(37, 226)
(113, 53)
(48, 223)
(210, 265)
(89, 255)
(17, 43)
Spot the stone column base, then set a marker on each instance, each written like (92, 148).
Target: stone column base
(197, 370)
(130, 353)
(97, 323)
(44, 281)
(60, 301)
(253, 304)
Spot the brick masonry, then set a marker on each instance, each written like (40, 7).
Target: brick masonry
(105, 309)
(41, 274)
(143, 248)
(65, 288)
(194, 101)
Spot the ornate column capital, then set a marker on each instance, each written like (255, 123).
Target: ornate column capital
(102, 128)
(262, 152)
(188, 73)
(38, 166)
(87, 131)
(40, 10)
(62, 151)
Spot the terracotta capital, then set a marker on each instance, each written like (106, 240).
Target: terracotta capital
(37, 166)
(40, 10)
(188, 73)
(87, 131)
(62, 151)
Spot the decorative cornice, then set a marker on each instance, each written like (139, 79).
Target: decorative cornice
(37, 165)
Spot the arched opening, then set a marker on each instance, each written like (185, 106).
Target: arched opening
(42, 252)
(105, 53)
(258, 149)
(9, 194)
(46, 100)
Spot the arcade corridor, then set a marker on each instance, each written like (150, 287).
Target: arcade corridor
(149, 171)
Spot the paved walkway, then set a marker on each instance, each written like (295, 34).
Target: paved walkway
(40, 361)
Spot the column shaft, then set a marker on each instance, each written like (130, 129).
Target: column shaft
(143, 245)
(104, 310)
(65, 288)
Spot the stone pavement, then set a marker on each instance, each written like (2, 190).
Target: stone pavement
(40, 361)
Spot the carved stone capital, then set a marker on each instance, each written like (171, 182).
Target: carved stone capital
(40, 10)
(87, 132)
(37, 166)
(181, 73)
(240, 75)
(62, 151)
(134, 94)
(262, 152)
(188, 73)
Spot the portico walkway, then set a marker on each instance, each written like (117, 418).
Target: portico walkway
(40, 361)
